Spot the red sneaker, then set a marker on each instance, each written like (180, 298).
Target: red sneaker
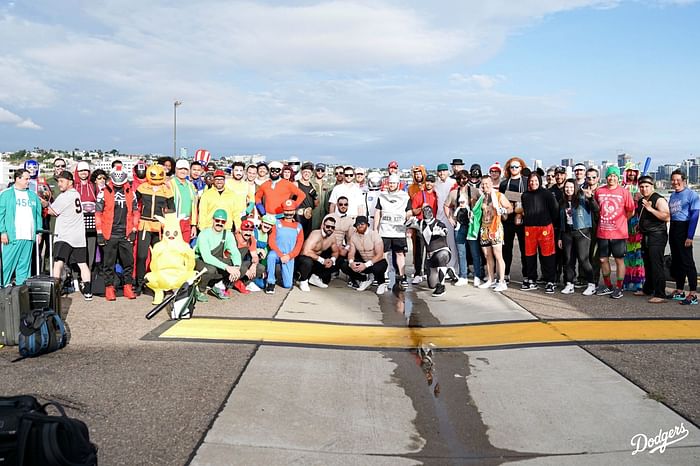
(238, 285)
(110, 294)
(129, 292)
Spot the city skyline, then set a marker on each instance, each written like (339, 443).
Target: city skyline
(350, 81)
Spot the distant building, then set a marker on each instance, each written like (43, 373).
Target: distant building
(567, 162)
(694, 174)
(623, 160)
(537, 163)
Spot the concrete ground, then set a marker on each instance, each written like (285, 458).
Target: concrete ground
(151, 401)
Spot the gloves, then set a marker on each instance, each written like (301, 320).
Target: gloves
(132, 236)
(101, 239)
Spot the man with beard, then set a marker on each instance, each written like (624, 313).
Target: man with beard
(361, 179)
(343, 226)
(457, 166)
(443, 185)
(251, 268)
(424, 197)
(217, 197)
(580, 174)
(558, 191)
(185, 198)
(318, 257)
(350, 190)
(393, 209)
(305, 210)
(285, 242)
(272, 193)
(513, 186)
(366, 257)
(323, 189)
(654, 215)
(242, 194)
(263, 173)
(458, 208)
(438, 253)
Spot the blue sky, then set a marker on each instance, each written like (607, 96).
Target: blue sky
(355, 81)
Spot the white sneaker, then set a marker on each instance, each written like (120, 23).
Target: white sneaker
(462, 282)
(501, 286)
(381, 289)
(315, 280)
(364, 285)
(477, 281)
(252, 287)
(304, 285)
(486, 284)
(568, 289)
(417, 279)
(590, 290)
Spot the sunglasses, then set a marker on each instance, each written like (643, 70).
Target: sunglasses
(59, 166)
(219, 222)
(349, 175)
(320, 170)
(591, 177)
(579, 170)
(339, 173)
(329, 227)
(275, 170)
(344, 204)
(514, 166)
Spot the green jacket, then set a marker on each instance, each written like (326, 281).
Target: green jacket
(8, 201)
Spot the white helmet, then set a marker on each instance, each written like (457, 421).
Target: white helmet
(374, 181)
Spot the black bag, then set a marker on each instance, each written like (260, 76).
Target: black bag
(44, 293)
(11, 411)
(35, 438)
(41, 331)
(14, 303)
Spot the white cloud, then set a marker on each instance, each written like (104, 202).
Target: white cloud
(9, 118)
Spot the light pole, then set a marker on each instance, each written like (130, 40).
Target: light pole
(175, 105)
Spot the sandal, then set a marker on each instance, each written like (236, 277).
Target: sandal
(656, 300)
(639, 293)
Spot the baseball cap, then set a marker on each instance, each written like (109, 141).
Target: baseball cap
(82, 165)
(560, 169)
(65, 174)
(394, 179)
(430, 178)
(359, 170)
(393, 164)
(182, 163)
(579, 166)
(219, 174)
(276, 164)
(247, 225)
(612, 171)
(361, 220)
(321, 166)
(269, 219)
(307, 166)
(289, 205)
(442, 166)
(220, 214)
(118, 177)
(646, 179)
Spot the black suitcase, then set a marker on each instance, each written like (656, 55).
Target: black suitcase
(14, 302)
(44, 290)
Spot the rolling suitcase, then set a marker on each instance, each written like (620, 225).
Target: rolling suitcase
(14, 302)
(44, 290)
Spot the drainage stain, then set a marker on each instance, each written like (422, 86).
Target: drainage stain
(447, 417)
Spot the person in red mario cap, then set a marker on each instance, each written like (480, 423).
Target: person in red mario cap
(285, 242)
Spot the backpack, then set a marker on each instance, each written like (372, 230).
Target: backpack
(32, 437)
(41, 331)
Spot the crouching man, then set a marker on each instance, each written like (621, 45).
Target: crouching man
(434, 235)
(318, 257)
(366, 256)
(216, 250)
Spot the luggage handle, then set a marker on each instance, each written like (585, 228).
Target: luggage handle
(38, 252)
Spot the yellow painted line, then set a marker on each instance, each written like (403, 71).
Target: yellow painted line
(463, 336)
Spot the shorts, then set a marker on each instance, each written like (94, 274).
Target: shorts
(615, 247)
(395, 244)
(67, 254)
(542, 237)
(487, 238)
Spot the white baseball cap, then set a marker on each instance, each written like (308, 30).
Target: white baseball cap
(82, 165)
(394, 179)
(182, 163)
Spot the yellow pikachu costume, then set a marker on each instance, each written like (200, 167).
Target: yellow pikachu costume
(172, 260)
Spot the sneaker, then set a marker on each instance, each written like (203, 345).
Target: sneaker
(486, 284)
(364, 285)
(381, 289)
(689, 300)
(462, 282)
(501, 286)
(270, 288)
(252, 287)
(550, 288)
(403, 281)
(200, 297)
(507, 279)
(528, 286)
(439, 290)
(315, 280)
(569, 288)
(87, 296)
(218, 293)
(590, 289)
(477, 281)
(677, 296)
(240, 287)
(617, 293)
(354, 284)
(416, 279)
(603, 290)
(304, 285)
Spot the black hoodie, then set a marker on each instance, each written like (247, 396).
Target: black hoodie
(540, 206)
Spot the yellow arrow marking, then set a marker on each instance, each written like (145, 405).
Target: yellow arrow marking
(463, 336)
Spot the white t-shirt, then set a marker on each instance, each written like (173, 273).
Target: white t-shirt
(24, 216)
(356, 199)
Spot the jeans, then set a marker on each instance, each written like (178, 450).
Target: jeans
(461, 241)
(475, 249)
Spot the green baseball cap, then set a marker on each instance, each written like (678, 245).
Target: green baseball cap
(220, 214)
(269, 219)
(612, 170)
(442, 166)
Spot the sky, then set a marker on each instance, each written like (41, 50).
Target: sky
(361, 82)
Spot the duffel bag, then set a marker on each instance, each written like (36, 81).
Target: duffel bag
(41, 331)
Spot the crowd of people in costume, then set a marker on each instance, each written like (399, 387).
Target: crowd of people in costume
(258, 226)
